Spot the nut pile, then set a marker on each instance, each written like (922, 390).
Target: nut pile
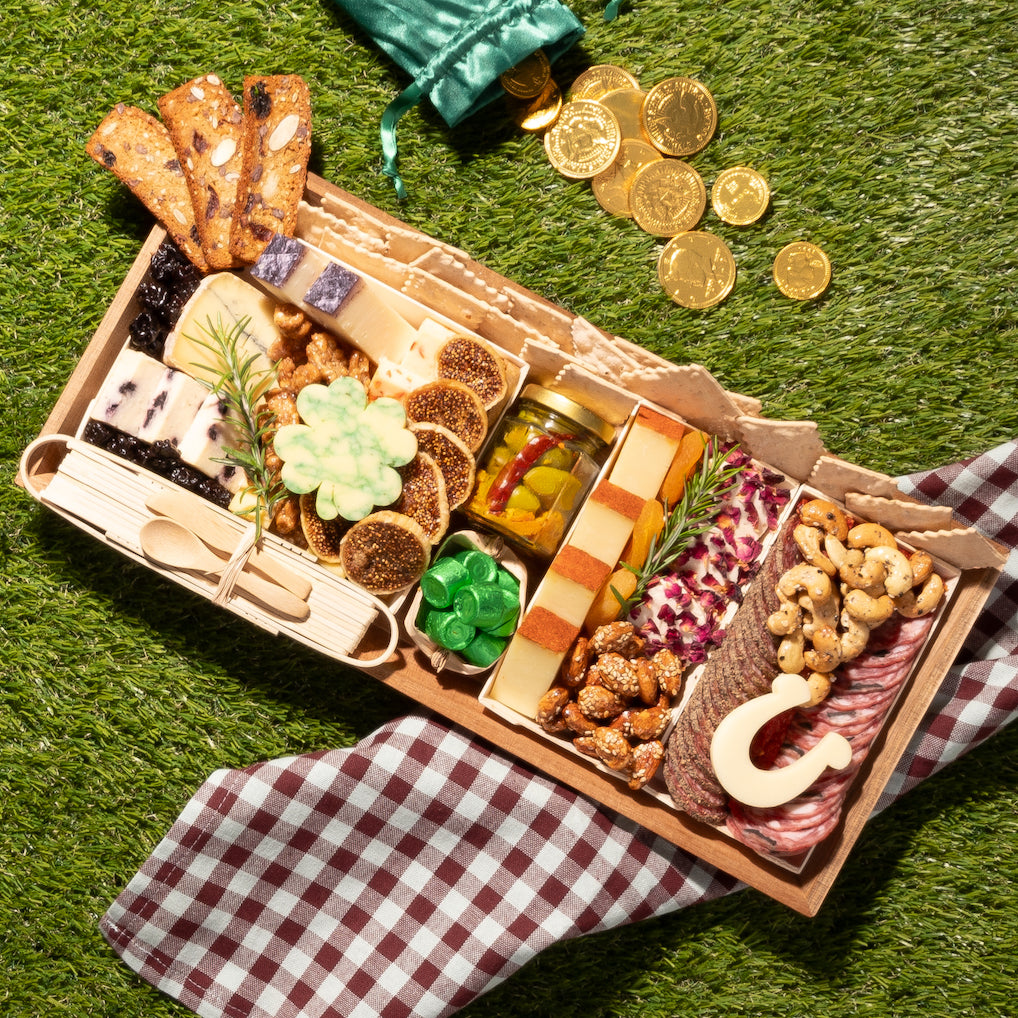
(614, 701)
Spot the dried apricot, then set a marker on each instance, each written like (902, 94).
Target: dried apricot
(687, 456)
(606, 606)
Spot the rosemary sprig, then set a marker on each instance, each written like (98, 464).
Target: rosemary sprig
(240, 385)
(694, 514)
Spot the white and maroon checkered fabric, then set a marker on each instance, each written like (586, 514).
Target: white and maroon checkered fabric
(411, 873)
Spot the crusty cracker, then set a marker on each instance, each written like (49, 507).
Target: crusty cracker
(792, 447)
(899, 513)
(276, 150)
(962, 547)
(136, 147)
(205, 125)
(836, 477)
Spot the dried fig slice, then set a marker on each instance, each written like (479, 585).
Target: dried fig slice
(466, 360)
(423, 497)
(452, 404)
(323, 536)
(385, 552)
(453, 458)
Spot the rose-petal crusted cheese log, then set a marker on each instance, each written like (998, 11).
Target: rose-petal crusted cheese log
(204, 121)
(276, 150)
(137, 148)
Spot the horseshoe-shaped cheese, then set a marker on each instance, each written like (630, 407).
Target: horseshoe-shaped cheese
(734, 768)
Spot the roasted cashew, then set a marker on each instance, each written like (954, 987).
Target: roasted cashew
(825, 654)
(870, 535)
(790, 653)
(913, 605)
(835, 549)
(864, 608)
(819, 512)
(786, 619)
(854, 636)
(808, 540)
(819, 686)
(859, 574)
(810, 579)
(819, 613)
(899, 572)
(922, 567)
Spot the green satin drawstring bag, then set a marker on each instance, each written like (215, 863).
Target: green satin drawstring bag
(454, 50)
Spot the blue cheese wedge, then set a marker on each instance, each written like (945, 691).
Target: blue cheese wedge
(336, 297)
(172, 408)
(224, 302)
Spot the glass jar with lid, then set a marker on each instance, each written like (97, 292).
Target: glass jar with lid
(537, 469)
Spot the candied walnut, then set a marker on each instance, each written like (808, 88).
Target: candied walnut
(359, 367)
(668, 671)
(616, 637)
(291, 321)
(646, 759)
(598, 703)
(618, 674)
(613, 748)
(286, 520)
(326, 354)
(549, 707)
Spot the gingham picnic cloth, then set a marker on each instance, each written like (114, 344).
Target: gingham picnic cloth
(414, 871)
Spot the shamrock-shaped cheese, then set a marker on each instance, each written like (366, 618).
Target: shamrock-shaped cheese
(347, 448)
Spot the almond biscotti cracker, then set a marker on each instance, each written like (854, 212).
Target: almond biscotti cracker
(276, 148)
(205, 125)
(137, 148)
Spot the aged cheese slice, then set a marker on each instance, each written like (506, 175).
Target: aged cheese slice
(334, 296)
(223, 301)
(206, 442)
(526, 672)
(646, 454)
(173, 407)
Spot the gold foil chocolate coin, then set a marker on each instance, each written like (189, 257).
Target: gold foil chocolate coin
(802, 271)
(528, 78)
(536, 115)
(584, 140)
(680, 116)
(627, 105)
(611, 187)
(667, 197)
(740, 196)
(696, 270)
(599, 80)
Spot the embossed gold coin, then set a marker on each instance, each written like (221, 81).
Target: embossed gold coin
(740, 195)
(627, 105)
(536, 115)
(611, 187)
(584, 140)
(528, 78)
(802, 271)
(680, 116)
(667, 197)
(599, 80)
(696, 269)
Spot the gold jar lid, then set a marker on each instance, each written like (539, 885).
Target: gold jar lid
(560, 404)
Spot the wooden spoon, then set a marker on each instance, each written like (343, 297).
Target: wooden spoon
(171, 544)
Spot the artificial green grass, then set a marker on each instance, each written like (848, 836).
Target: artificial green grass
(887, 133)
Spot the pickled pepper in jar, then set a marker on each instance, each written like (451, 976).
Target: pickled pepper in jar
(538, 467)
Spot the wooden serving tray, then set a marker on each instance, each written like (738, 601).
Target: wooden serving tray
(556, 343)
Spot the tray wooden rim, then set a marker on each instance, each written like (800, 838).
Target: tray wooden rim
(456, 697)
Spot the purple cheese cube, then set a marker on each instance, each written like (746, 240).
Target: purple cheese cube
(330, 291)
(278, 260)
